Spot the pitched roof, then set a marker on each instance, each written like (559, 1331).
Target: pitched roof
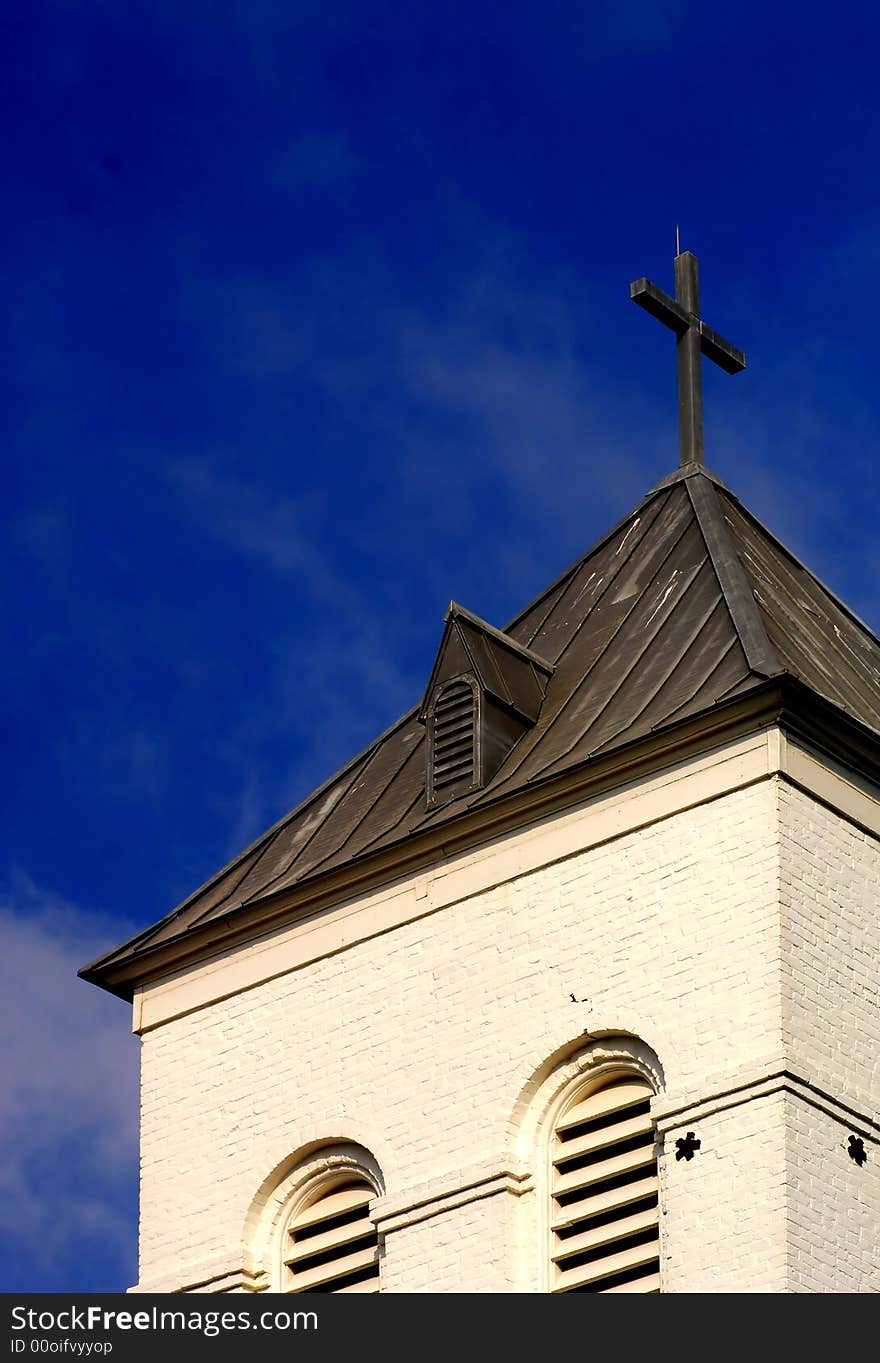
(685, 605)
(506, 669)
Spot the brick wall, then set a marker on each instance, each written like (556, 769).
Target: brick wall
(429, 1045)
(833, 1205)
(830, 898)
(830, 916)
(723, 1221)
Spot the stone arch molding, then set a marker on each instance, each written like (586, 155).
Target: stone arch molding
(296, 1176)
(291, 1182)
(553, 1081)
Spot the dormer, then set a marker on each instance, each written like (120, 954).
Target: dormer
(485, 691)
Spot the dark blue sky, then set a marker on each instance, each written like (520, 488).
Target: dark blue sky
(318, 317)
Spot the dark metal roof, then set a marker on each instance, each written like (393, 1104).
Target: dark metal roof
(515, 675)
(688, 602)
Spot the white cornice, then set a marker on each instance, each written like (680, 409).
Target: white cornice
(454, 877)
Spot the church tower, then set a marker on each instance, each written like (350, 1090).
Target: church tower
(567, 982)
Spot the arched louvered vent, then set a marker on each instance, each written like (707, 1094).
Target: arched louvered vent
(453, 735)
(604, 1213)
(331, 1245)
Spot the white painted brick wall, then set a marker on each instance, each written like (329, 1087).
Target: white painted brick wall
(723, 1220)
(467, 1249)
(830, 903)
(420, 1042)
(830, 914)
(833, 1206)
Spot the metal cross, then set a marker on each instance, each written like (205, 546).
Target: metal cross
(682, 315)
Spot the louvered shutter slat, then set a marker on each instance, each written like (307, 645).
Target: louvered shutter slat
(452, 737)
(604, 1235)
(606, 1101)
(449, 721)
(459, 751)
(351, 1263)
(339, 1236)
(457, 705)
(609, 1168)
(651, 1283)
(607, 1202)
(451, 773)
(455, 723)
(363, 1285)
(334, 1204)
(594, 1272)
(610, 1135)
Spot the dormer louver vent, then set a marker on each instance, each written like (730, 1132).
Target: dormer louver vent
(453, 737)
(485, 691)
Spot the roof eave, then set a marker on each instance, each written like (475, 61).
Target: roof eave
(783, 700)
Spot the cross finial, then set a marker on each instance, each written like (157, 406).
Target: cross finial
(682, 315)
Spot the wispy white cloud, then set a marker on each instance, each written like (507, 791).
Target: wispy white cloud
(787, 455)
(275, 531)
(481, 402)
(506, 359)
(313, 697)
(498, 404)
(68, 1101)
(490, 395)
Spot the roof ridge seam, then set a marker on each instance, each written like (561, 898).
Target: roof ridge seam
(457, 611)
(804, 567)
(760, 653)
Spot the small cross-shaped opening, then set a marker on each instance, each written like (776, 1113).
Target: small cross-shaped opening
(686, 1146)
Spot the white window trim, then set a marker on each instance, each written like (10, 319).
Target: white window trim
(326, 1165)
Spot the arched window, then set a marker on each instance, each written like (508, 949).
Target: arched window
(325, 1238)
(604, 1222)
